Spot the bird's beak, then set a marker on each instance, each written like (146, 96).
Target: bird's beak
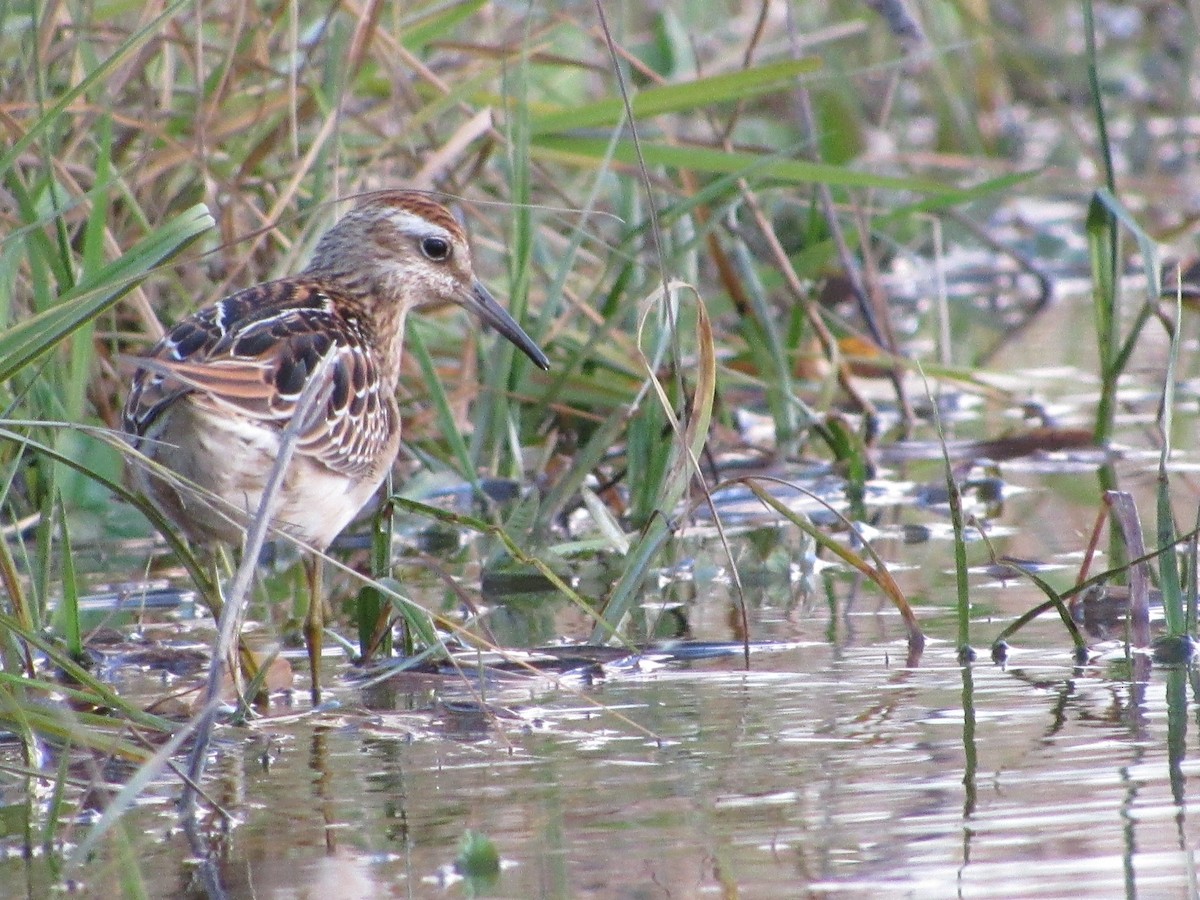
(480, 301)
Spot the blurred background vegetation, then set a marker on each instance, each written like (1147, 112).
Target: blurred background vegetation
(749, 218)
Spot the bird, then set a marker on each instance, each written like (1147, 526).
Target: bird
(210, 401)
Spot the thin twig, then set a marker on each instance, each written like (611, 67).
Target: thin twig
(313, 398)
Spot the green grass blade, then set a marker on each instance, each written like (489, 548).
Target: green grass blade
(447, 427)
(636, 567)
(696, 94)
(182, 549)
(726, 162)
(954, 498)
(1055, 600)
(94, 690)
(438, 23)
(66, 617)
(876, 570)
(93, 79)
(1168, 563)
(28, 340)
(684, 460)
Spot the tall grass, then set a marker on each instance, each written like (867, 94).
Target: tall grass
(160, 156)
(1118, 335)
(226, 135)
(235, 131)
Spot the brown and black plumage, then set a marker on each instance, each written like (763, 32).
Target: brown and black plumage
(221, 386)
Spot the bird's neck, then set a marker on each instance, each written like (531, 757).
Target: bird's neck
(379, 304)
(389, 341)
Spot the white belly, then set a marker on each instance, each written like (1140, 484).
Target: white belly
(225, 461)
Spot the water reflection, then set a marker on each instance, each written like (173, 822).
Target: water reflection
(824, 768)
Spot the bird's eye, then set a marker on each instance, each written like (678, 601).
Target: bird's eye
(436, 248)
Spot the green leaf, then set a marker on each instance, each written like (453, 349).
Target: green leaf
(671, 98)
(437, 24)
(477, 856)
(28, 340)
(707, 159)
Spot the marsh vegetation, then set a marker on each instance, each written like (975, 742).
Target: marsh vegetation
(852, 523)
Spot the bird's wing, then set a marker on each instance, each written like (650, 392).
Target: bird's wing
(252, 354)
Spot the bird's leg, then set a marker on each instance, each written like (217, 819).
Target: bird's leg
(314, 621)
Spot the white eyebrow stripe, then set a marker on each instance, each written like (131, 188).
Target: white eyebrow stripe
(418, 226)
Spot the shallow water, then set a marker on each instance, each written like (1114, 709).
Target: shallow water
(828, 768)
(831, 766)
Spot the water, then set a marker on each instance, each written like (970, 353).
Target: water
(828, 768)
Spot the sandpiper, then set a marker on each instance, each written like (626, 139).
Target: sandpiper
(222, 385)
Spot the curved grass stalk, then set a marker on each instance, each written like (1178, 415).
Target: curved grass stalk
(680, 469)
(498, 532)
(876, 570)
(1055, 601)
(1058, 597)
